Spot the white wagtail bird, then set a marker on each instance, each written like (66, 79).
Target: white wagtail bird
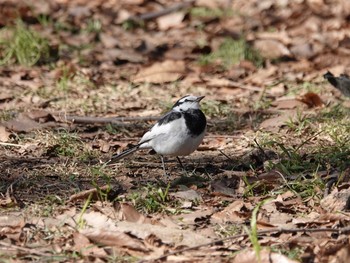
(178, 133)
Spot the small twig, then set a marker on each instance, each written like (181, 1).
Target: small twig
(234, 84)
(28, 250)
(163, 12)
(260, 148)
(137, 118)
(47, 102)
(262, 93)
(283, 178)
(26, 159)
(246, 87)
(307, 140)
(285, 181)
(224, 154)
(215, 136)
(343, 230)
(83, 195)
(11, 144)
(63, 117)
(101, 120)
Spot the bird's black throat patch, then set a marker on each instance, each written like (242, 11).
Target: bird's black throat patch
(195, 121)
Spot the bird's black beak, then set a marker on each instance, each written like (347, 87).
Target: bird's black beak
(199, 98)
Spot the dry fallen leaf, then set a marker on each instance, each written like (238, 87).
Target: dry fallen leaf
(194, 217)
(168, 235)
(127, 212)
(342, 255)
(287, 104)
(336, 201)
(83, 245)
(5, 97)
(117, 239)
(11, 226)
(274, 123)
(4, 134)
(103, 230)
(303, 50)
(263, 76)
(84, 195)
(232, 213)
(271, 49)
(170, 21)
(108, 41)
(281, 36)
(121, 56)
(190, 195)
(39, 115)
(225, 186)
(97, 220)
(22, 124)
(270, 214)
(266, 256)
(161, 72)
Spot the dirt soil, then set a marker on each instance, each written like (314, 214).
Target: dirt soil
(269, 183)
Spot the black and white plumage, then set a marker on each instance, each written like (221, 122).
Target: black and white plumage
(341, 83)
(178, 133)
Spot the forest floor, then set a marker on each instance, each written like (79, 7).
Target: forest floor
(81, 80)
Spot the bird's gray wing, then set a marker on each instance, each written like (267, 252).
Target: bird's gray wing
(163, 126)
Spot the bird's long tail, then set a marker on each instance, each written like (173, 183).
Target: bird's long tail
(117, 157)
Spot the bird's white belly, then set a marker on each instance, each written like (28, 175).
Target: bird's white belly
(177, 145)
(172, 139)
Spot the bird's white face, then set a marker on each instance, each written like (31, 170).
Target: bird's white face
(187, 102)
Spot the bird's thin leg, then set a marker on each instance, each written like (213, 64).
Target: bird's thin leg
(178, 159)
(163, 165)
